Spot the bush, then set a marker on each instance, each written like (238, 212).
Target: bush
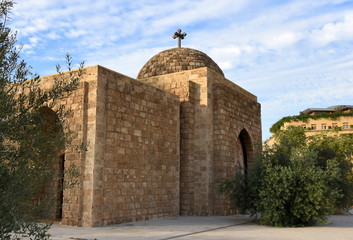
(338, 148)
(297, 194)
(297, 182)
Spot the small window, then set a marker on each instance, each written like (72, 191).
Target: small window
(323, 126)
(303, 126)
(345, 125)
(313, 126)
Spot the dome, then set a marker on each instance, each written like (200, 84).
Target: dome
(177, 60)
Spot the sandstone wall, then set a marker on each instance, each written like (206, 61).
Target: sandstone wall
(136, 172)
(237, 115)
(214, 111)
(196, 175)
(151, 154)
(77, 201)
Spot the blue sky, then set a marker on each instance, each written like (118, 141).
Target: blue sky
(292, 55)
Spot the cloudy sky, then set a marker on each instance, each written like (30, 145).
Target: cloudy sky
(292, 54)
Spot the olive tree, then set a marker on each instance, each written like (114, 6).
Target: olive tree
(28, 135)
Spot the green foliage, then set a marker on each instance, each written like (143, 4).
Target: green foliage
(337, 148)
(280, 123)
(243, 190)
(298, 181)
(296, 194)
(32, 135)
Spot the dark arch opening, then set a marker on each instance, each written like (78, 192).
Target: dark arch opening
(60, 195)
(245, 156)
(246, 148)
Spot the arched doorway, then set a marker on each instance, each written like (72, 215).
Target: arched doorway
(52, 194)
(244, 151)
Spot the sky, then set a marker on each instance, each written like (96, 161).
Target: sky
(292, 55)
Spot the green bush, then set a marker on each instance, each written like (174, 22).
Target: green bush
(297, 182)
(297, 194)
(243, 190)
(337, 148)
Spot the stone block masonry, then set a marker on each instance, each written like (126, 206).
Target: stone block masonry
(137, 151)
(215, 115)
(77, 201)
(156, 146)
(130, 170)
(237, 133)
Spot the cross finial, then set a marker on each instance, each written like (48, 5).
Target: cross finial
(180, 36)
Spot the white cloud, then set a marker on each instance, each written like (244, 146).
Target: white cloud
(233, 50)
(52, 36)
(188, 12)
(280, 39)
(341, 30)
(27, 48)
(291, 54)
(33, 40)
(75, 33)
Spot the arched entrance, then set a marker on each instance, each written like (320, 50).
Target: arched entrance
(244, 151)
(52, 191)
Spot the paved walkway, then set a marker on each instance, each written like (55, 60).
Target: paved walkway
(229, 227)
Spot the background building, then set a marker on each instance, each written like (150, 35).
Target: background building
(317, 120)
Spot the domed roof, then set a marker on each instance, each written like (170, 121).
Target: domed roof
(177, 60)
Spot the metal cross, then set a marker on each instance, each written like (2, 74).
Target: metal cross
(180, 36)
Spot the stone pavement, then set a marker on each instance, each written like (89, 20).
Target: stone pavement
(219, 227)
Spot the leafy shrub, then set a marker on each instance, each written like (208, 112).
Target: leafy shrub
(297, 182)
(297, 194)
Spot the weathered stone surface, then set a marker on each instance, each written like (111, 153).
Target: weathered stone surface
(156, 146)
(214, 113)
(177, 60)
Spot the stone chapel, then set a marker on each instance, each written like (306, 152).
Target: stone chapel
(158, 143)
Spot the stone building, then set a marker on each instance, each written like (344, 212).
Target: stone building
(156, 145)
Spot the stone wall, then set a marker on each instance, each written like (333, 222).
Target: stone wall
(196, 146)
(137, 166)
(214, 111)
(237, 118)
(130, 169)
(77, 201)
(155, 146)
